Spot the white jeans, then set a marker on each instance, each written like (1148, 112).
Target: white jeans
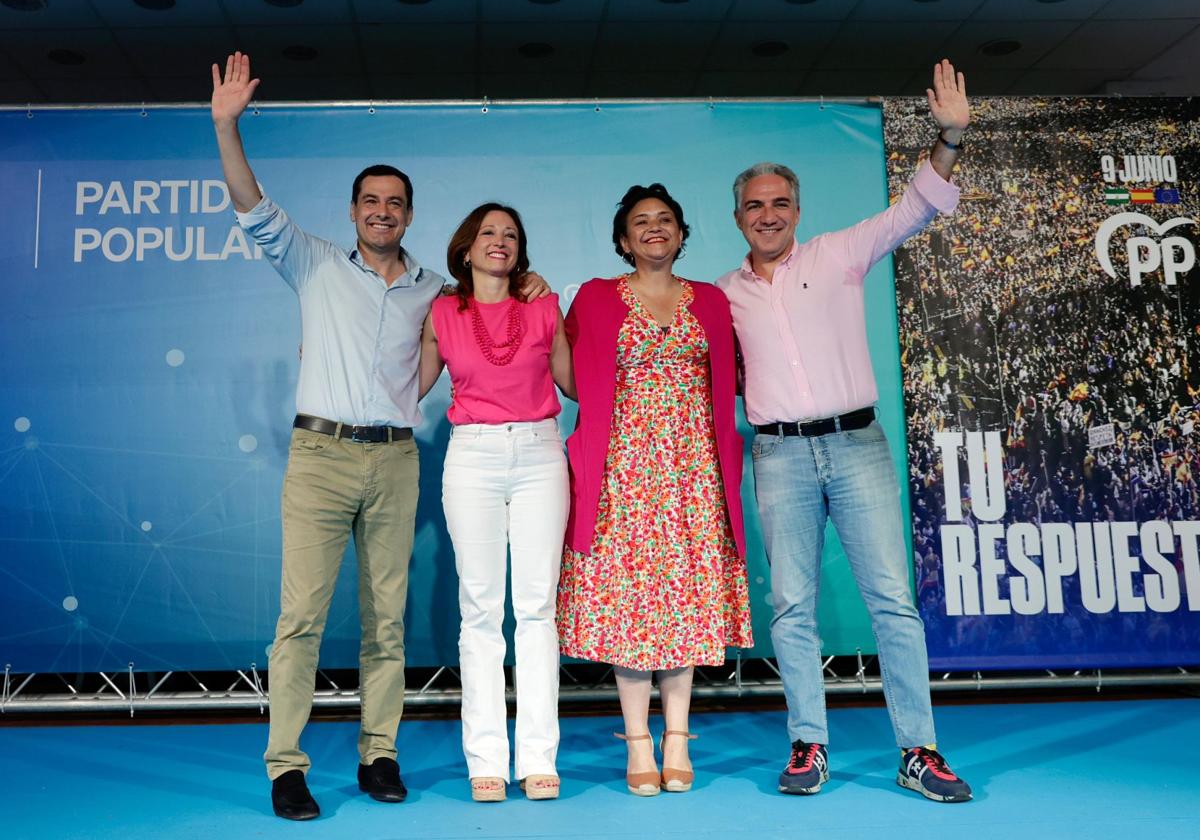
(506, 485)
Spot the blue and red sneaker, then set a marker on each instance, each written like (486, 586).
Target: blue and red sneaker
(925, 771)
(806, 771)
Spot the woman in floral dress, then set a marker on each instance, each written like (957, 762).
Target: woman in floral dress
(653, 575)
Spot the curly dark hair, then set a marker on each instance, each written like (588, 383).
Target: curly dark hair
(638, 193)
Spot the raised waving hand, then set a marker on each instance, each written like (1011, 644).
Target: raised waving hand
(232, 93)
(948, 99)
(948, 105)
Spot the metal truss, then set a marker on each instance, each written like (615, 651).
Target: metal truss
(246, 690)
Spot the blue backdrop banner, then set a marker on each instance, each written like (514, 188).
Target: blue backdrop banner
(148, 354)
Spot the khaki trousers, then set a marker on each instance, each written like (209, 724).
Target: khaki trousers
(333, 488)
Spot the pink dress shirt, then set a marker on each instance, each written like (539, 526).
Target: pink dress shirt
(521, 391)
(592, 325)
(803, 335)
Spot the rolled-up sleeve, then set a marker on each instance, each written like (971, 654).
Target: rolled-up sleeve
(935, 189)
(291, 251)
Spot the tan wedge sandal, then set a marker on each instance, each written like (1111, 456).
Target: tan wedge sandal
(540, 786)
(675, 781)
(488, 789)
(641, 784)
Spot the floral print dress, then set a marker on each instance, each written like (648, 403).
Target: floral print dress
(663, 586)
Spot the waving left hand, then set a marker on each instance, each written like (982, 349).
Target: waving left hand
(948, 97)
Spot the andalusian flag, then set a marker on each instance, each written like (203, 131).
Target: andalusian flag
(1141, 196)
(1116, 195)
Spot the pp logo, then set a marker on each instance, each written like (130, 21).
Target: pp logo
(1175, 255)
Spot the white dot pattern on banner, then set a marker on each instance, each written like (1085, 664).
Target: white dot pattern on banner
(175, 357)
(768, 600)
(267, 650)
(760, 579)
(247, 443)
(22, 463)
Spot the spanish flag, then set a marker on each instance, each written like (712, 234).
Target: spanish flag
(1141, 196)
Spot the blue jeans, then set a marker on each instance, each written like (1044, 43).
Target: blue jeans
(800, 482)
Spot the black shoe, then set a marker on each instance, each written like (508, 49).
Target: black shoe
(381, 779)
(290, 797)
(807, 769)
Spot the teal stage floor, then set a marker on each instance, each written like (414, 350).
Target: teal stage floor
(1117, 769)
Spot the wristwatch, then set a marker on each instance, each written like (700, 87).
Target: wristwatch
(956, 147)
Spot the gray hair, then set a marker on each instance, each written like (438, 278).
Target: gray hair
(764, 168)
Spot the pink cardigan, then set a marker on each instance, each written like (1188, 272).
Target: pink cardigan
(592, 325)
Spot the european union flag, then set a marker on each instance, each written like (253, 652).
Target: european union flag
(1166, 195)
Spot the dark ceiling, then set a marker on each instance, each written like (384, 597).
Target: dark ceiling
(85, 51)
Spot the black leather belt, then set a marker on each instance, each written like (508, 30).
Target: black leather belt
(356, 434)
(844, 422)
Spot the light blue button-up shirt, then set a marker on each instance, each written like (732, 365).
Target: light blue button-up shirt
(362, 338)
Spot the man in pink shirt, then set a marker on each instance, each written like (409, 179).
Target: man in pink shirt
(818, 452)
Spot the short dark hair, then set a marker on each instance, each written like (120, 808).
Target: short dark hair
(460, 246)
(377, 170)
(638, 193)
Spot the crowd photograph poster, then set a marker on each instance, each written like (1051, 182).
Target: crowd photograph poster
(1050, 346)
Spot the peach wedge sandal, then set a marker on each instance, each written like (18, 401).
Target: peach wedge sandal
(540, 786)
(488, 789)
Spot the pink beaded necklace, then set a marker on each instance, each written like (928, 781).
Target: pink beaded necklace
(514, 331)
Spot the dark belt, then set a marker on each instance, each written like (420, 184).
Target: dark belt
(355, 434)
(844, 422)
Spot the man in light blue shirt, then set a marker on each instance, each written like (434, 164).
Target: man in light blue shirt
(360, 328)
(352, 464)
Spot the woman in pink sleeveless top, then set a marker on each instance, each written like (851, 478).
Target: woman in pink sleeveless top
(504, 487)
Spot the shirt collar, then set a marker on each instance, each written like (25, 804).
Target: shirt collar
(748, 267)
(412, 268)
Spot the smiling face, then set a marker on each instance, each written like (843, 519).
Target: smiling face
(494, 250)
(381, 213)
(652, 232)
(767, 216)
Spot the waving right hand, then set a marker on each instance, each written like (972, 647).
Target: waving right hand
(231, 95)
